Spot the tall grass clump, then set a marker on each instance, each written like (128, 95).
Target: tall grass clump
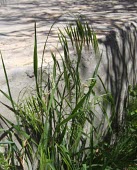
(55, 128)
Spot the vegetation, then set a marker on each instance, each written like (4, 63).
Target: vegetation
(56, 129)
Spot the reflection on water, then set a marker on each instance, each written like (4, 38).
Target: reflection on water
(7, 2)
(2, 2)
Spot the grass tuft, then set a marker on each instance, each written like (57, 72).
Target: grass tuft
(55, 128)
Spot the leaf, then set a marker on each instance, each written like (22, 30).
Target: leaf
(7, 82)
(35, 56)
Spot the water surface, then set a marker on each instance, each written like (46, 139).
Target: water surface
(8, 2)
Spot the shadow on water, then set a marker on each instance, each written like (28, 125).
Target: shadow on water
(45, 12)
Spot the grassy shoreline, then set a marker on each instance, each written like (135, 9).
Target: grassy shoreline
(55, 128)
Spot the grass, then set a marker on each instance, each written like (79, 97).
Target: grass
(55, 128)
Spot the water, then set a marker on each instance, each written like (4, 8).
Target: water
(2, 2)
(7, 2)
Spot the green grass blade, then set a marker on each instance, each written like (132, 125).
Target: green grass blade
(7, 82)
(35, 56)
